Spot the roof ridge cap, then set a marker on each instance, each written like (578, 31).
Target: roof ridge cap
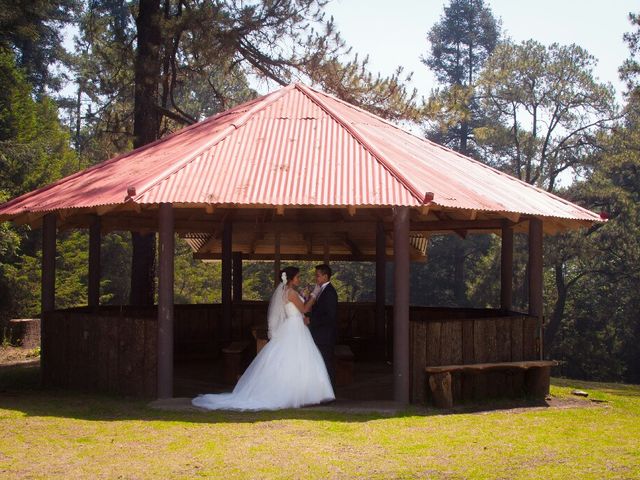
(267, 100)
(422, 197)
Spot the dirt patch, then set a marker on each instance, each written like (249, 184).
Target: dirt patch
(15, 356)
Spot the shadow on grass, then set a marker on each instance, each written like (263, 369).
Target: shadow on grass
(20, 391)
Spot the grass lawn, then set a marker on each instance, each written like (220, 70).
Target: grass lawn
(46, 434)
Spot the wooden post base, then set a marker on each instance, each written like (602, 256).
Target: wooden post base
(440, 384)
(536, 381)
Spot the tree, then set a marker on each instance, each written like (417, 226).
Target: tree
(168, 49)
(594, 322)
(460, 43)
(32, 30)
(548, 109)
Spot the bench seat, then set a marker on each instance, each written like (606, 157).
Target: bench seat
(537, 377)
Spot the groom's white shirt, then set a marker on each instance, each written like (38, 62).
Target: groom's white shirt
(323, 287)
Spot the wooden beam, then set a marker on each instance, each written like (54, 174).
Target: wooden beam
(48, 291)
(165, 301)
(535, 274)
(461, 233)
(401, 305)
(296, 256)
(452, 225)
(506, 268)
(95, 238)
(381, 280)
(31, 219)
(280, 209)
(511, 216)
(257, 236)
(350, 244)
(472, 214)
(48, 287)
(309, 240)
(209, 209)
(424, 210)
(276, 260)
(227, 245)
(352, 210)
(327, 251)
(104, 209)
(237, 277)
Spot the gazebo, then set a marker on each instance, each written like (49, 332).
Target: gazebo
(296, 174)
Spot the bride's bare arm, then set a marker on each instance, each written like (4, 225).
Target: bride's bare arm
(308, 304)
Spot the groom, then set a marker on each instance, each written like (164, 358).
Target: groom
(322, 317)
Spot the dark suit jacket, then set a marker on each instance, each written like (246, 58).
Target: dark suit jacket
(323, 321)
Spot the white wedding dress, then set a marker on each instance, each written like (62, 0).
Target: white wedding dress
(289, 371)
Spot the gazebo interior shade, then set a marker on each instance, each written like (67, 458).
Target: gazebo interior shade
(294, 149)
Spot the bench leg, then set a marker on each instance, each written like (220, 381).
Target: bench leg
(440, 384)
(537, 381)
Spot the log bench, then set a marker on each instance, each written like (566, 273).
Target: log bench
(537, 377)
(235, 360)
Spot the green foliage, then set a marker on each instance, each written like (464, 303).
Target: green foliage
(461, 41)
(195, 281)
(33, 30)
(548, 109)
(460, 44)
(34, 148)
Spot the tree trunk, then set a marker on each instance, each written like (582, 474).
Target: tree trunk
(146, 128)
(558, 310)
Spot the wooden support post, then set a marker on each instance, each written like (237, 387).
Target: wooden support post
(506, 267)
(226, 279)
(237, 276)
(48, 290)
(276, 261)
(535, 275)
(165, 301)
(401, 305)
(381, 284)
(327, 251)
(94, 262)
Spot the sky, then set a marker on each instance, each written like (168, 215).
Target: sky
(393, 33)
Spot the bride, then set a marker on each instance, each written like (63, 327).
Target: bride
(289, 371)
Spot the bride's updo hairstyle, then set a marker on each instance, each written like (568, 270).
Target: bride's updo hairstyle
(290, 272)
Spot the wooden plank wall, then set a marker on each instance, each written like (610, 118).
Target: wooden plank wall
(105, 352)
(488, 337)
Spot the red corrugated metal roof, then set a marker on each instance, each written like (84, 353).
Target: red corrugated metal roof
(296, 147)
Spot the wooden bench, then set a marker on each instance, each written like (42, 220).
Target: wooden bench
(537, 375)
(235, 359)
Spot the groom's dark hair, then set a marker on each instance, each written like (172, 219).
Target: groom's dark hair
(324, 269)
